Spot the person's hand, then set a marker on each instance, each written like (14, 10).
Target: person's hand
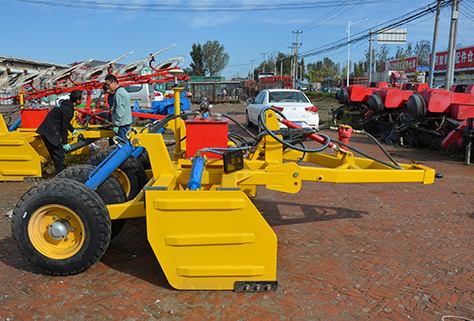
(75, 133)
(67, 147)
(116, 129)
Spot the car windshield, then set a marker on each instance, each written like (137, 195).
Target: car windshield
(287, 97)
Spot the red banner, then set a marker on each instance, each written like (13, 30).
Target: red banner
(408, 65)
(464, 59)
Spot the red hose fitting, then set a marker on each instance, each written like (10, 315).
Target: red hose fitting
(345, 133)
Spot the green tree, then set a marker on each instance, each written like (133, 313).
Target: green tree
(215, 59)
(325, 68)
(197, 57)
(359, 68)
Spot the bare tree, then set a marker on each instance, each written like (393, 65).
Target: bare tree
(423, 51)
(383, 55)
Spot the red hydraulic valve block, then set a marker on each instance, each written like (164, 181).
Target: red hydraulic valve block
(345, 133)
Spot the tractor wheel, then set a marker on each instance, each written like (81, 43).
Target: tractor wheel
(144, 159)
(248, 123)
(130, 174)
(61, 226)
(110, 191)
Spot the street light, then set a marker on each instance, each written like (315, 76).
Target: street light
(348, 30)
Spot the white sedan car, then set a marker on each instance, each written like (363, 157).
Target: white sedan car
(292, 103)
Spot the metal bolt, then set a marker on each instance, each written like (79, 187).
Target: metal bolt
(67, 238)
(73, 229)
(296, 174)
(68, 218)
(268, 287)
(55, 216)
(246, 287)
(270, 115)
(257, 287)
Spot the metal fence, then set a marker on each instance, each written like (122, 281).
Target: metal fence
(217, 92)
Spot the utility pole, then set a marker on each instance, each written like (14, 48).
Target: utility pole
(292, 60)
(252, 71)
(263, 61)
(370, 55)
(433, 50)
(281, 68)
(297, 44)
(348, 30)
(452, 44)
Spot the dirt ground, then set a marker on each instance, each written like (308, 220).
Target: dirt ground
(385, 251)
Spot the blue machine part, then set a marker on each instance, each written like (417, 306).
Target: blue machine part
(196, 174)
(166, 106)
(15, 125)
(108, 165)
(137, 152)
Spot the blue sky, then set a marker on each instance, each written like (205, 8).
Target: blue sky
(65, 34)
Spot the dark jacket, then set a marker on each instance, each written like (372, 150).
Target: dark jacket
(57, 123)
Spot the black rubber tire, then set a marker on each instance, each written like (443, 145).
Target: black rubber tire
(248, 123)
(144, 159)
(416, 106)
(375, 103)
(131, 167)
(110, 191)
(342, 96)
(59, 196)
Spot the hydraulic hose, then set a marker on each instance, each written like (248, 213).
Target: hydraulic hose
(285, 143)
(241, 126)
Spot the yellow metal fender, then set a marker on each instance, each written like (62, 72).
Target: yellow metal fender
(208, 240)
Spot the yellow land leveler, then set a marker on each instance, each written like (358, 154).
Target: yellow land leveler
(201, 223)
(22, 151)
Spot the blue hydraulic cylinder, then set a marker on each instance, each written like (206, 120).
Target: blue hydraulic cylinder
(196, 174)
(15, 125)
(108, 165)
(138, 151)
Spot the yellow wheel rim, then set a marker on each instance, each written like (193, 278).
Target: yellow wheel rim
(124, 181)
(41, 239)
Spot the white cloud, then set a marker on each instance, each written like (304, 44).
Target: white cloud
(209, 20)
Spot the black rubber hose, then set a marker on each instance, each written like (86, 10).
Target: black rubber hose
(241, 126)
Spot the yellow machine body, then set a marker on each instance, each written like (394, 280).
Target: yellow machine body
(214, 238)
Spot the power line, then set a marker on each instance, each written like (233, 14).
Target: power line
(150, 6)
(363, 34)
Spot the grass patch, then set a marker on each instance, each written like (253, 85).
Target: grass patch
(315, 94)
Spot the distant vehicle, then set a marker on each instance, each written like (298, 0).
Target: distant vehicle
(159, 96)
(95, 93)
(265, 74)
(144, 94)
(292, 103)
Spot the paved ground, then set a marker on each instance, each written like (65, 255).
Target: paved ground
(346, 252)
